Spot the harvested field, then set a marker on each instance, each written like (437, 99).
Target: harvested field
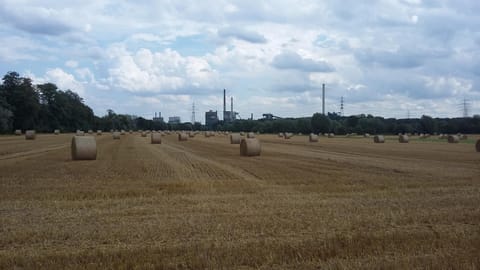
(343, 203)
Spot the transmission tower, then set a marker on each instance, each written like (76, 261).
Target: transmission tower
(465, 107)
(341, 106)
(193, 113)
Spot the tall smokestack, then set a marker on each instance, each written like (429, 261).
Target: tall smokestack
(155, 114)
(323, 99)
(224, 103)
(231, 105)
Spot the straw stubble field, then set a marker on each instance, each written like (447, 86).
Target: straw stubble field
(338, 203)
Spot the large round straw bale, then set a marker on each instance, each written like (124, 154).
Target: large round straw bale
(56, 131)
(144, 134)
(122, 132)
(99, 132)
(463, 137)
(182, 136)
(207, 134)
(90, 131)
(331, 135)
(84, 148)
(453, 139)
(242, 133)
(251, 135)
(378, 139)
(30, 135)
(80, 133)
(250, 147)
(191, 134)
(288, 135)
(477, 145)
(116, 135)
(366, 135)
(313, 138)
(235, 138)
(156, 138)
(403, 138)
(18, 132)
(280, 135)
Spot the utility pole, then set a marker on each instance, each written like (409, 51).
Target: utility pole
(193, 113)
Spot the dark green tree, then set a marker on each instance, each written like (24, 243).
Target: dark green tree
(320, 123)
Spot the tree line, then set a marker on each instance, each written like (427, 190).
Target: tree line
(44, 107)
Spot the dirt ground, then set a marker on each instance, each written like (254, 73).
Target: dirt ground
(341, 203)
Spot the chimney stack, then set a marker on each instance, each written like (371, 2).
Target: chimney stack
(323, 99)
(224, 103)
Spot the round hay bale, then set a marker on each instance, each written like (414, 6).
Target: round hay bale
(156, 138)
(280, 135)
(242, 133)
(331, 135)
(403, 138)
(190, 134)
(477, 145)
(251, 135)
(56, 131)
(18, 132)
(182, 137)
(99, 132)
(463, 137)
(288, 135)
(313, 138)
(83, 148)
(379, 139)
(116, 135)
(453, 139)
(250, 147)
(30, 135)
(90, 132)
(80, 133)
(144, 134)
(235, 138)
(122, 132)
(366, 135)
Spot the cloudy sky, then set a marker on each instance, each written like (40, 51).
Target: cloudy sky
(390, 58)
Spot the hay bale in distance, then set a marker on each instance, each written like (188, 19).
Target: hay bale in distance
(99, 132)
(80, 133)
(280, 135)
(56, 131)
(379, 139)
(477, 145)
(116, 135)
(403, 138)
(313, 137)
(242, 133)
(122, 132)
(287, 135)
(250, 147)
(144, 134)
(251, 135)
(331, 135)
(90, 132)
(453, 139)
(366, 135)
(156, 138)
(182, 137)
(83, 148)
(235, 138)
(18, 132)
(30, 135)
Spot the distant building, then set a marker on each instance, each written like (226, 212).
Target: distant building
(211, 118)
(158, 118)
(174, 120)
(229, 116)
